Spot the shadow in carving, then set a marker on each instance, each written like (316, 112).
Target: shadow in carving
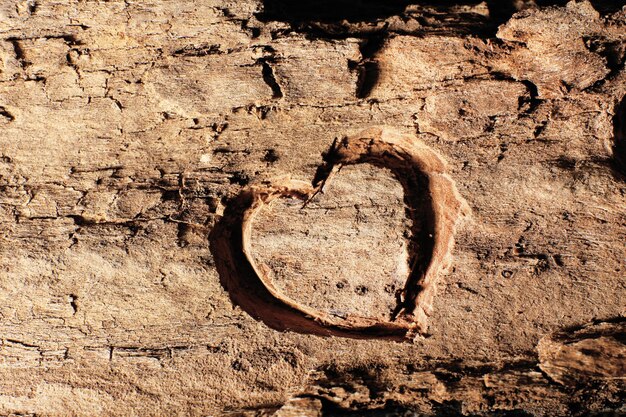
(433, 205)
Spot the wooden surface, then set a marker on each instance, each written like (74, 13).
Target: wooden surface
(127, 128)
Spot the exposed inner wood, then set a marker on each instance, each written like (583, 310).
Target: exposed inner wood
(363, 220)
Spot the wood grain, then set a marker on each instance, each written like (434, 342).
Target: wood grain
(127, 128)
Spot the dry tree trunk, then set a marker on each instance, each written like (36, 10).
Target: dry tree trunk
(130, 128)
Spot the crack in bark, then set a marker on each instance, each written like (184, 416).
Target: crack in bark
(270, 79)
(4, 113)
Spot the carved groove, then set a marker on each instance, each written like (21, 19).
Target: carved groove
(433, 204)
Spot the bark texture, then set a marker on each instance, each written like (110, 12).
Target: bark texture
(128, 129)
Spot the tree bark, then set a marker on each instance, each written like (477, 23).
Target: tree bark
(130, 130)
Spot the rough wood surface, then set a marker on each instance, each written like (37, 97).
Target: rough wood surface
(128, 129)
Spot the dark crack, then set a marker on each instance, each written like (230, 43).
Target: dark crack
(270, 79)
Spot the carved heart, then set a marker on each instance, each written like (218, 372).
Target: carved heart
(434, 205)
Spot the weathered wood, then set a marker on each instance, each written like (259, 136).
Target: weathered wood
(128, 128)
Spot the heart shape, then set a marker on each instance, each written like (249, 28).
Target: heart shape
(433, 204)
